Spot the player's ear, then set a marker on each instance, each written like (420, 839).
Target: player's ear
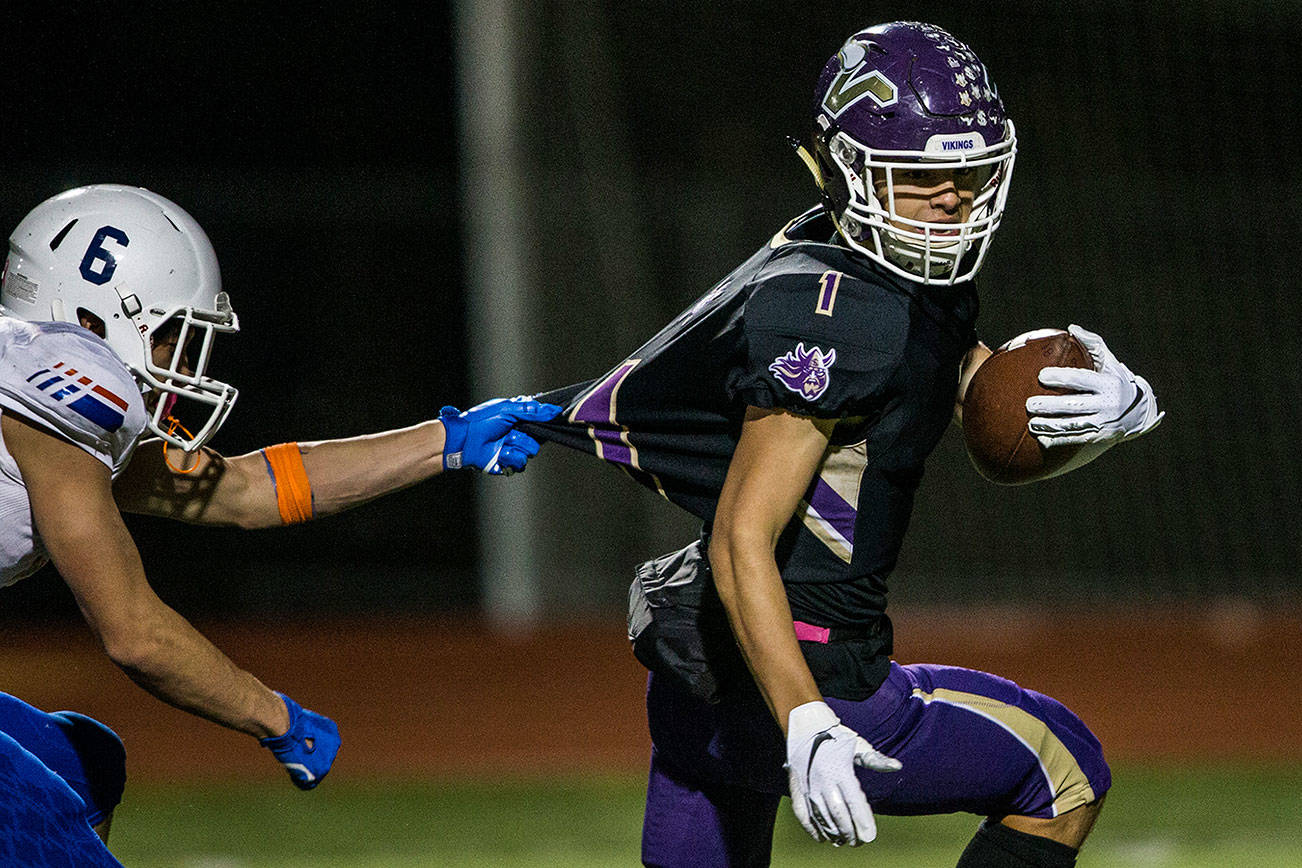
(89, 321)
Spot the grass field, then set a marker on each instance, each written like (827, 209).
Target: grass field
(1207, 818)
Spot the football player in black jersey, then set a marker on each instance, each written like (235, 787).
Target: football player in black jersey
(791, 408)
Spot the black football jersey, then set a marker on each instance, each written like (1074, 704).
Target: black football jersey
(812, 327)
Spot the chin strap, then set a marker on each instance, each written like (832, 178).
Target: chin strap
(173, 425)
(807, 158)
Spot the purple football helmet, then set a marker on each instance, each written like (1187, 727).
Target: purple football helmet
(907, 96)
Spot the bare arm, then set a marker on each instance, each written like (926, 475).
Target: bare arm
(973, 360)
(74, 511)
(239, 491)
(772, 466)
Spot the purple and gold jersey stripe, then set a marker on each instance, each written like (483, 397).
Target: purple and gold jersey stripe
(830, 506)
(598, 407)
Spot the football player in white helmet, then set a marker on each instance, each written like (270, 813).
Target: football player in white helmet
(139, 272)
(111, 302)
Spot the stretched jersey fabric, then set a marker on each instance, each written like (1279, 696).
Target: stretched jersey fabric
(814, 328)
(63, 378)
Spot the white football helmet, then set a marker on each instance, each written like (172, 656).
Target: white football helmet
(140, 265)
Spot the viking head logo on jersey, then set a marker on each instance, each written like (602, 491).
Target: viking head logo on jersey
(804, 371)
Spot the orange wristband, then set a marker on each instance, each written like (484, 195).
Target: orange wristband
(289, 478)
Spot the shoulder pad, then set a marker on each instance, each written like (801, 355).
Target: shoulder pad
(820, 341)
(804, 293)
(813, 225)
(66, 379)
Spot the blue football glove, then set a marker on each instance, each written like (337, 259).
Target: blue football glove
(308, 747)
(484, 438)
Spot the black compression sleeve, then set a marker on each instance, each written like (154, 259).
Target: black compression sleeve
(997, 846)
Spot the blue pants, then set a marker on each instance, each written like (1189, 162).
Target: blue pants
(59, 774)
(969, 741)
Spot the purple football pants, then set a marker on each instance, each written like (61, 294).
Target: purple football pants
(969, 741)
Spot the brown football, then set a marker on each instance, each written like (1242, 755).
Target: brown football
(994, 409)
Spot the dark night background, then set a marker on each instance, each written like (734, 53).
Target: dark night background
(1154, 201)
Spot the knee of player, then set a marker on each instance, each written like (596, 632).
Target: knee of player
(103, 760)
(1097, 777)
(1074, 760)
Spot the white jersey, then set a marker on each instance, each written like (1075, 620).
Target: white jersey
(64, 379)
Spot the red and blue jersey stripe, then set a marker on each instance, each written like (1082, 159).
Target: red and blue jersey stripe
(96, 403)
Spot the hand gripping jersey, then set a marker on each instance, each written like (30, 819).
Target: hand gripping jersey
(815, 328)
(64, 379)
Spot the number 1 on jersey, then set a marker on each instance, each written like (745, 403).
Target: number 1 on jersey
(830, 283)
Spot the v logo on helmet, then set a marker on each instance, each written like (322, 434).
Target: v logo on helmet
(852, 85)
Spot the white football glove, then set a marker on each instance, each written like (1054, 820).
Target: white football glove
(1105, 406)
(825, 794)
